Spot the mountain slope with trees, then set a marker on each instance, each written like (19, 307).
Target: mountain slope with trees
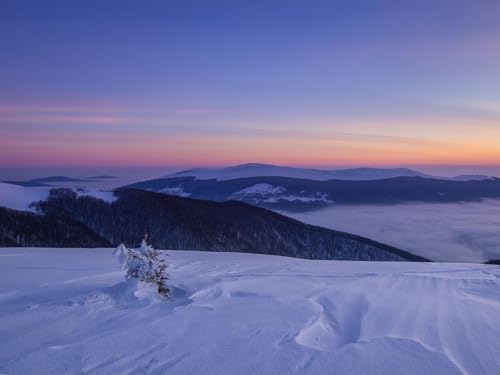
(296, 194)
(21, 228)
(183, 223)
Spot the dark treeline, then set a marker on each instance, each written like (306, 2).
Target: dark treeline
(18, 228)
(189, 224)
(493, 261)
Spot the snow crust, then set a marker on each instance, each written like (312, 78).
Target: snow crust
(20, 197)
(68, 311)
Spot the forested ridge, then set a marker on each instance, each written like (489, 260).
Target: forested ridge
(190, 224)
(19, 228)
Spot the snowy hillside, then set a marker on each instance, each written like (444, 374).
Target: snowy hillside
(68, 311)
(266, 193)
(263, 170)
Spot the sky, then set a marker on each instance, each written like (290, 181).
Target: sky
(211, 83)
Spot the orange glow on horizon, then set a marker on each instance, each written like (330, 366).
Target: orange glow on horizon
(144, 150)
(96, 137)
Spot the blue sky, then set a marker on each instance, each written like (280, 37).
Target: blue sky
(211, 83)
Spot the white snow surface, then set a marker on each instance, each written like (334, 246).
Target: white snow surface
(20, 197)
(69, 311)
(260, 189)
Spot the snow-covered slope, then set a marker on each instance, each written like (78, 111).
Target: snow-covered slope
(268, 193)
(67, 311)
(19, 197)
(262, 170)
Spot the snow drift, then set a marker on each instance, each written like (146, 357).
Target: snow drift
(69, 311)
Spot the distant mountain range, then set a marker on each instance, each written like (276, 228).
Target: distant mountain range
(56, 180)
(100, 177)
(27, 183)
(181, 223)
(269, 170)
(302, 189)
(292, 191)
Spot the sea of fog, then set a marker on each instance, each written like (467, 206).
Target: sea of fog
(455, 232)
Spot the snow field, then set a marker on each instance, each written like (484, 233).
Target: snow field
(67, 311)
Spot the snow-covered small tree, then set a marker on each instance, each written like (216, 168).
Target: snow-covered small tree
(145, 264)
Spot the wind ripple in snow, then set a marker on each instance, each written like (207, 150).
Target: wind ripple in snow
(293, 316)
(332, 327)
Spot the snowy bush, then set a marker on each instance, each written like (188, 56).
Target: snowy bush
(145, 264)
